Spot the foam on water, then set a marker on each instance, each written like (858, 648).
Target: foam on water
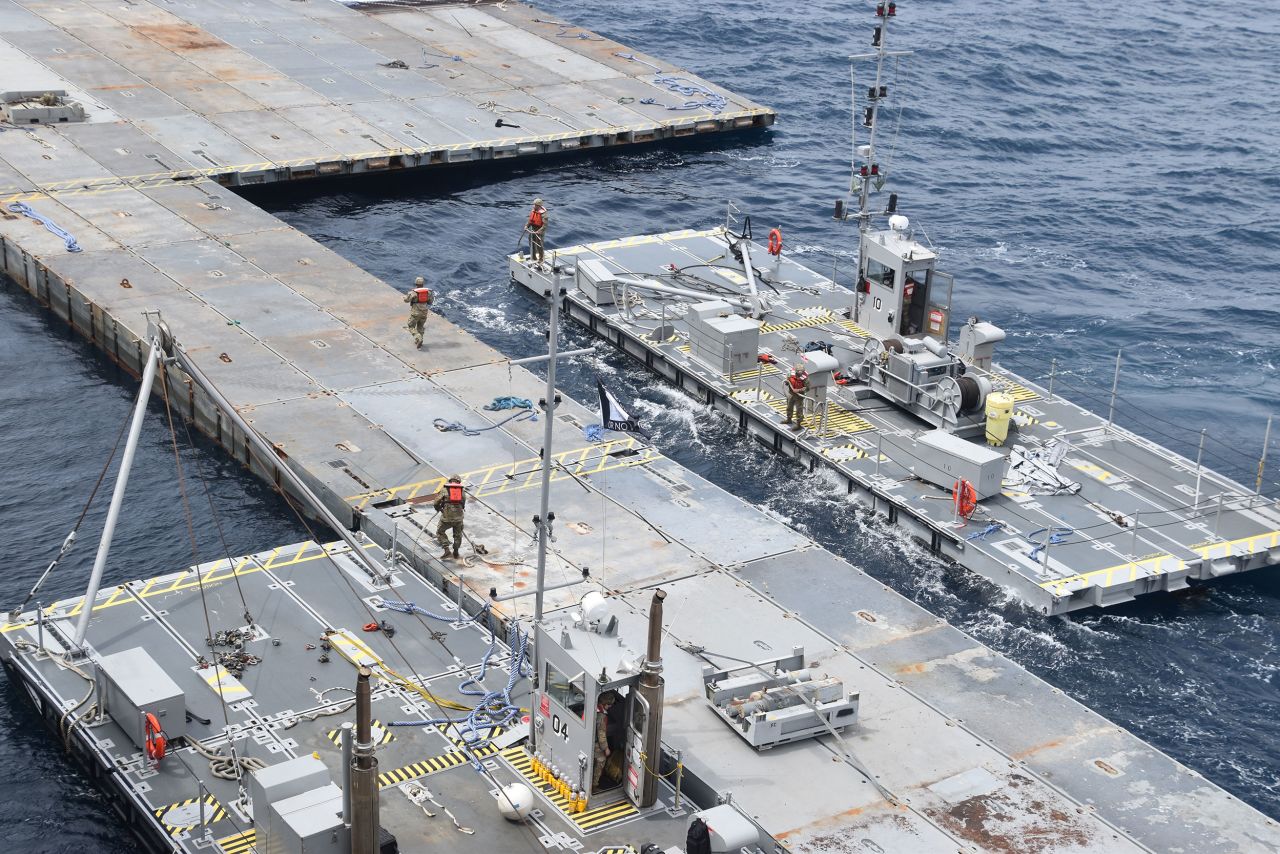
(1095, 182)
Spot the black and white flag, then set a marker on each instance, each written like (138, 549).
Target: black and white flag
(613, 414)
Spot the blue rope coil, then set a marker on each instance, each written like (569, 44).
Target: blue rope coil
(985, 532)
(697, 96)
(1057, 533)
(509, 402)
(26, 210)
(593, 432)
(495, 708)
(446, 426)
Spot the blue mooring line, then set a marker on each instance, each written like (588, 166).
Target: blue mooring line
(26, 210)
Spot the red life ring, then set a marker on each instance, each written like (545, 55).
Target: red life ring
(775, 242)
(965, 498)
(156, 742)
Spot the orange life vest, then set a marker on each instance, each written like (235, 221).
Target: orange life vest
(453, 493)
(796, 382)
(535, 218)
(424, 295)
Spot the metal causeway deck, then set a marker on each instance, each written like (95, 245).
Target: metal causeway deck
(255, 92)
(1177, 537)
(979, 753)
(314, 352)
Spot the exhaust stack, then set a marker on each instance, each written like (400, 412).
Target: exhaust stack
(364, 774)
(651, 688)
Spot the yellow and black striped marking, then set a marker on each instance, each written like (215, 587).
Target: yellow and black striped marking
(238, 843)
(1019, 393)
(787, 326)
(854, 329)
(382, 734)
(617, 849)
(764, 370)
(839, 420)
(748, 395)
(526, 474)
(184, 815)
(844, 453)
(589, 821)
(434, 765)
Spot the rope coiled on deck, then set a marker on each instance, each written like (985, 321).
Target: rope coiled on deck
(26, 210)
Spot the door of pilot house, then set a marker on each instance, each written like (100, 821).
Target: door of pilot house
(632, 774)
(915, 299)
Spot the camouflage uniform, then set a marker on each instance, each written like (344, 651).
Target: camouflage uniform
(795, 398)
(418, 313)
(451, 513)
(537, 228)
(600, 757)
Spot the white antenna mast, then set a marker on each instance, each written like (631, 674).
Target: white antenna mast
(868, 170)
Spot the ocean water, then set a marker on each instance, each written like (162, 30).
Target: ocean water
(1097, 177)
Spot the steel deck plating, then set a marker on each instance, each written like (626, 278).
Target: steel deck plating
(245, 93)
(976, 751)
(1011, 541)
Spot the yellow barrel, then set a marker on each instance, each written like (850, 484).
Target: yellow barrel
(999, 410)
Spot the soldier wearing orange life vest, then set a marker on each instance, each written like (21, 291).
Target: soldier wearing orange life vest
(450, 505)
(537, 228)
(419, 298)
(797, 388)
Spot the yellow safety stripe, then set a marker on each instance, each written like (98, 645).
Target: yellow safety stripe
(803, 322)
(1165, 563)
(591, 820)
(220, 571)
(213, 813)
(238, 843)
(839, 420)
(526, 473)
(434, 765)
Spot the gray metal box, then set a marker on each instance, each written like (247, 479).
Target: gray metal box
(941, 459)
(309, 823)
(282, 781)
(595, 279)
(728, 343)
(134, 685)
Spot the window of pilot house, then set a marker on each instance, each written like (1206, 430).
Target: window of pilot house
(879, 273)
(565, 691)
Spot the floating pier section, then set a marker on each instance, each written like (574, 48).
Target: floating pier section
(1124, 517)
(963, 749)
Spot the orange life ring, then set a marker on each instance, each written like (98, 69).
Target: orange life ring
(965, 498)
(156, 742)
(775, 242)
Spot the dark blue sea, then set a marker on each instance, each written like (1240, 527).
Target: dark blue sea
(1098, 176)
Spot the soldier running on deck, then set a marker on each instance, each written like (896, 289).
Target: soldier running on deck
(419, 298)
(450, 505)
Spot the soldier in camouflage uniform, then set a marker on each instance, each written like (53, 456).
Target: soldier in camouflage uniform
(450, 505)
(419, 298)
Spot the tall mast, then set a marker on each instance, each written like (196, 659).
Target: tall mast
(866, 169)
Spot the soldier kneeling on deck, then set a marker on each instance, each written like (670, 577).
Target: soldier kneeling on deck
(450, 506)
